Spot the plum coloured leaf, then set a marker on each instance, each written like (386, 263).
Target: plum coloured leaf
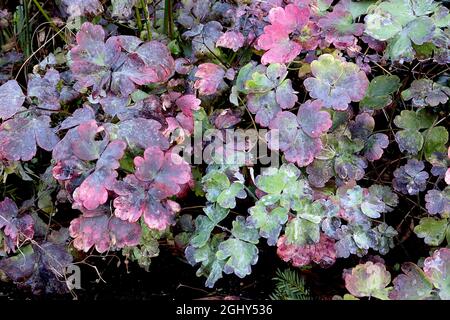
(14, 225)
(410, 178)
(438, 202)
(369, 280)
(45, 89)
(20, 135)
(424, 92)
(77, 8)
(299, 136)
(332, 79)
(11, 99)
(412, 284)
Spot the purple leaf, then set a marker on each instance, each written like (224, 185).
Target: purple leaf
(299, 136)
(77, 8)
(11, 99)
(332, 80)
(45, 89)
(19, 136)
(410, 178)
(15, 227)
(438, 202)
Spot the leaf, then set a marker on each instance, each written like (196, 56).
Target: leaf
(437, 268)
(299, 137)
(103, 232)
(332, 78)
(232, 40)
(210, 79)
(438, 202)
(93, 191)
(435, 139)
(204, 225)
(45, 89)
(410, 139)
(239, 256)
(123, 9)
(302, 232)
(379, 92)
(368, 280)
(410, 179)
(322, 253)
(19, 136)
(411, 285)
(11, 99)
(244, 231)
(275, 39)
(269, 222)
(433, 231)
(77, 8)
(219, 189)
(424, 92)
(16, 227)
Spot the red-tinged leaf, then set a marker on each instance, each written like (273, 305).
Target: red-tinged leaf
(233, 40)
(188, 103)
(15, 227)
(11, 99)
(137, 198)
(19, 136)
(322, 253)
(93, 191)
(45, 89)
(210, 79)
(275, 39)
(103, 232)
(166, 171)
(81, 142)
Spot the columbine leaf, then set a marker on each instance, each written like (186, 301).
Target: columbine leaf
(411, 285)
(433, 231)
(103, 232)
(45, 89)
(16, 227)
(275, 39)
(435, 139)
(244, 231)
(19, 136)
(379, 92)
(437, 268)
(219, 189)
(299, 137)
(425, 92)
(322, 253)
(302, 232)
(332, 78)
(368, 280)
(204, 225)
(410, 139)
(410, 179)
(239, 256)
(210, 79)
(77, 8)
(269, 222)
(438, 202)
(11, 99)
(232, 40)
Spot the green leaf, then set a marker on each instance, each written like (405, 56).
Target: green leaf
(302, 232)
(435, 139)
(239, 256)
(378, 94)
(432, 230)
(269, 222)
(244, 231)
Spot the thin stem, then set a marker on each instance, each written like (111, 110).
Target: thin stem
(47, 17)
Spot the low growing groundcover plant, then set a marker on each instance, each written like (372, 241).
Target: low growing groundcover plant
(223, 131)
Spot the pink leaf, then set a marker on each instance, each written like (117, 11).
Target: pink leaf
(210, 79)
(232, 40)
